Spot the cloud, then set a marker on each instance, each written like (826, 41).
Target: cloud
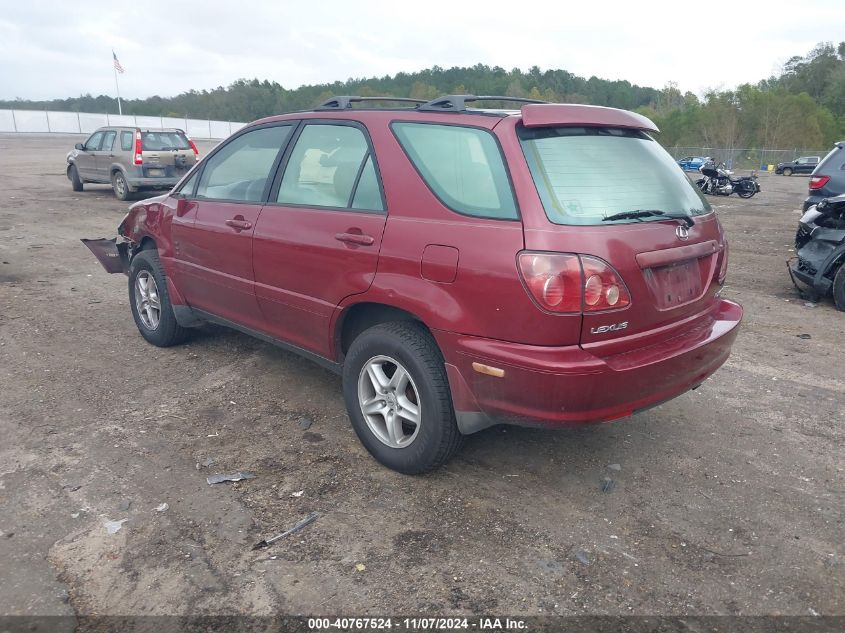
(59, 50)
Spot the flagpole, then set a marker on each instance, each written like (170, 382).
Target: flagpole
(117, 86)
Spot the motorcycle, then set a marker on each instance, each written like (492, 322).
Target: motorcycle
(719, 181)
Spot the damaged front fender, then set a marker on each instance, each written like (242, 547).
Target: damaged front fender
(113, 255)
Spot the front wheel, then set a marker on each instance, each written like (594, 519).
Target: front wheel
(150, 301)
(787, 171)
(398, 399)
(75, 180)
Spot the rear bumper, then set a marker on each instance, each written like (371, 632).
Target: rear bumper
(561, 386)
(153, 183)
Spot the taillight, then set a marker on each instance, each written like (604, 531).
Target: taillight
(139, 158)
(194, 147)
(817, 182)
(723, 266)
(567, 283)
(603, 287)
(554, 280)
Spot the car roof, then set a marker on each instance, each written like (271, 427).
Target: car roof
(454, 109)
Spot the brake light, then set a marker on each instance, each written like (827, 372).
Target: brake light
(723, 266)
(194, 147)
(603, 287)
(139, 148)
(817, 182)
(567, 283)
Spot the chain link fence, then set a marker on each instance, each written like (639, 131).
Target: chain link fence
(747, 158)
(54, 122)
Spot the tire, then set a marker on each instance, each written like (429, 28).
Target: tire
(120, 186)
(747, 193)
(839, 288)
(158, 327)
(413, 447)
(787, 171)
(75, 180)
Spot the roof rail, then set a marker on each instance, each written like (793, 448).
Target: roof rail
(457, 103)
(345, 103)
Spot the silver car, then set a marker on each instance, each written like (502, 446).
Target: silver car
(131, 159)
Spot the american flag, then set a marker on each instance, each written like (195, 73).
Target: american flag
(117, 65)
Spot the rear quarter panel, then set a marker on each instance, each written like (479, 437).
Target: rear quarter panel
(487, 297)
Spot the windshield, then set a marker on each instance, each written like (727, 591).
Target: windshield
(586, 174)
(162, 141)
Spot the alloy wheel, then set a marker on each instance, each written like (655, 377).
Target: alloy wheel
(389, 401)
(147, 300)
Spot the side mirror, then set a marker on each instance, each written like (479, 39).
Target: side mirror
(79, 146)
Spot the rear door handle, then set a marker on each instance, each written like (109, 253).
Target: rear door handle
(239, 224)
(355, 238)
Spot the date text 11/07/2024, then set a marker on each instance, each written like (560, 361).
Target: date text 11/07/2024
(418, 624)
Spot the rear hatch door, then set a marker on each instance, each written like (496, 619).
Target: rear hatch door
(614, 193)
(166, 153)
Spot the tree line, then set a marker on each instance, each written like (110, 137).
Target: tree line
(802, 107)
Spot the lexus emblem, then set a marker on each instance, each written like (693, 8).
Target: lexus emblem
(682, 232)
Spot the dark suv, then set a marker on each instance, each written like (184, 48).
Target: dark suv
(458, 267)
(828, 179)
(803, 165)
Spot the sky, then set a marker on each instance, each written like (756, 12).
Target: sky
(52, 49)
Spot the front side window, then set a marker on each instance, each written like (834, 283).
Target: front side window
(241, 169)
(331, 166)
(127, 140)
(587, 174)
(187, 188)
(463, 166)
(108, 141)
(93, 143)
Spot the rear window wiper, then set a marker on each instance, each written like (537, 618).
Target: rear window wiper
(638, 214)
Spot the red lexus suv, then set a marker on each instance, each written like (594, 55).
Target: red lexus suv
(460, 267)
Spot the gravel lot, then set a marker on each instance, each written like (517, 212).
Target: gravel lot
(727, 500)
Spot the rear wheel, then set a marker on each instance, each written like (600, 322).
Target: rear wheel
(398, 398)
(150, 301)
(746, 192)
(75, 180)
(839, 288)
(787, 171)
(120, 186)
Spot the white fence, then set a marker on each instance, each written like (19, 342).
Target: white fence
(48, 121)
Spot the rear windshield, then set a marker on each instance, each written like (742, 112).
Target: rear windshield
(586, 174)
(830, 163)
(161, 141)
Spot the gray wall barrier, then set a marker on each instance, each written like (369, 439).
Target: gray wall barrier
(48, 122)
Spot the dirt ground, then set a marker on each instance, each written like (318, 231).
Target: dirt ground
(727, 500)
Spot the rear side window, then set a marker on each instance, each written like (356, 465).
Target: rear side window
(587, 174)
(127, 140)
(331, 166)
(463, 166)
(162, 141)
(240, 170)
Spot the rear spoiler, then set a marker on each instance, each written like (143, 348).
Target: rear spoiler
(576, 115)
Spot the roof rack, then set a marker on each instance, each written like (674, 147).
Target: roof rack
(345, 103)
(457, 103)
